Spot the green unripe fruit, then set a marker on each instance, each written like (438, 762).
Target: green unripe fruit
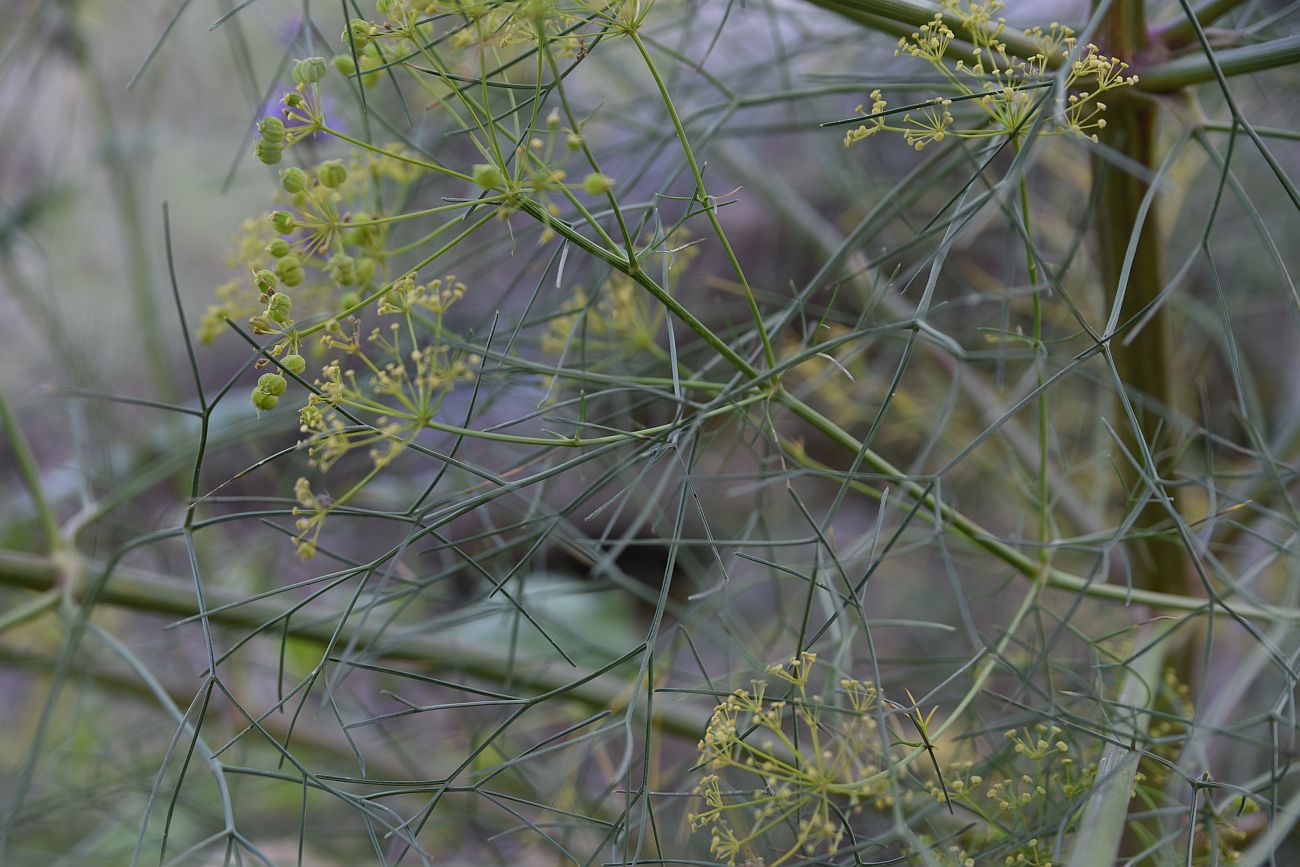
(369, 75)
(264, 280)
(357, 34)
(288, 263)
(279, 248)
(293, 99)
(332, 174)
(346, 66)
(310, 70)
(370, 60)
(283, 222)
(596, 184)
(264, 401)
(489, 176)
(365, 270)
(294, 180)
(295, 364)
(269, 152)
(350, 299)
(343, 268)
(279, 306)
(293, 277)
(272, 383)
(272, 129)
(534, 10)
(359, 234)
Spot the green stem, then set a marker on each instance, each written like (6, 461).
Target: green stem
(1261, 131)
(122, 183)
(701, 194)
(994, 658)
(396, 155)
(31, 474)
(1180, 31)
(945, 514)
(578, 442)
(141, 591)
(1130, 245)
(558, 77)
(1059, 579)
(901, 18)
(1044, 514)
(1196, 68)
(844, 252)
(388, 287)
(1101, 830)
(31, 609)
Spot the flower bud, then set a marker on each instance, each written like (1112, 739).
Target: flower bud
(283, 222)
(332, 174)
(264, 401)
(597, 184)
(294, 180)
(279, 248)
(295, 364)
(489, 176)
(272, 383)
(310, 70)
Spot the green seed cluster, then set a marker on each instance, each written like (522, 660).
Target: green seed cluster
(270, 386)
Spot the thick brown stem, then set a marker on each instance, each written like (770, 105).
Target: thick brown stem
(1158, 562)
(1130, 239)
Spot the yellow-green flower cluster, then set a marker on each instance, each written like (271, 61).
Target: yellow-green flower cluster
(323, 256)
(394, 382)
(798, 764)
(621, 320)
(325, 260)
(319, 249)
(1016, 799)
(787, 768)
(406, 25)
(1006, 89)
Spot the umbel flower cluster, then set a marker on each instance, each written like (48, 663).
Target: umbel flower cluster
(1006, 93)
(797, 761)
(331, 276)
(322, 252)
(802, 764)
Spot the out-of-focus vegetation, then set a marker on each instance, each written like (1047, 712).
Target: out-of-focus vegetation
(642, 432)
